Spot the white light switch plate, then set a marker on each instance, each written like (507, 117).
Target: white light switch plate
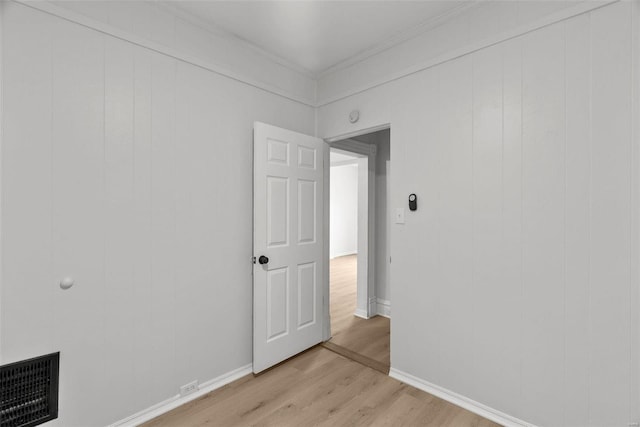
(399, 215)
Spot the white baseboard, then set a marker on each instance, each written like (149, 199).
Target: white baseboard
(361, 313)
(459, 400)
(383, 307)
(377, 307)
(372, 307)
(177, 400)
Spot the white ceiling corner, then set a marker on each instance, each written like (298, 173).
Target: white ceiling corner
(181, 9)
(318, 37)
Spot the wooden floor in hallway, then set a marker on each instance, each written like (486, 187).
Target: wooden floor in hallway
(319, 388)
(364, 340)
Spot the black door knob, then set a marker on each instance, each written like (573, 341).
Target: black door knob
(263, 259)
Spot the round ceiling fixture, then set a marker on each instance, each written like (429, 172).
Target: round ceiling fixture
(354, 116)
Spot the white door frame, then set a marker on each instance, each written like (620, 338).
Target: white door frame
(366, 301)
(366, 287)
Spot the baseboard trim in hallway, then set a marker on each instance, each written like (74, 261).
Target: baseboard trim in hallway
(356, 357)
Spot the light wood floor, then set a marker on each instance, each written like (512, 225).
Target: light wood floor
(322, 388)
(368, 338)
(319, 388)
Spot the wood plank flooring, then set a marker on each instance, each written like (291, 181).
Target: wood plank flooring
(319, 388)
(323, 388)
(368, 338)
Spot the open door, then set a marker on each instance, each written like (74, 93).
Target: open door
(288, 244)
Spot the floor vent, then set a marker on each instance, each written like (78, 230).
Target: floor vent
(29, 391)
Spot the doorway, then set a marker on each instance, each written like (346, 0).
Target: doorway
(291, 263)
(360, 306)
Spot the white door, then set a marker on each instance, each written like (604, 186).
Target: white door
(288, 244)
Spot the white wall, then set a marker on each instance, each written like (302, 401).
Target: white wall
(481, 24)
(344, 210)
(131, 172)
(517, 276)
(164, 27)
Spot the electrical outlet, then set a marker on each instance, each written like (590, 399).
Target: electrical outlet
(189, 388)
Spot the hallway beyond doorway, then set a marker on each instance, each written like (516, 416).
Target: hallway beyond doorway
(364, 340)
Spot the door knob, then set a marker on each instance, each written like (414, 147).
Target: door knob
(263, 259)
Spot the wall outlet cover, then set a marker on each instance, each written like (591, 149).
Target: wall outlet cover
(189, 388)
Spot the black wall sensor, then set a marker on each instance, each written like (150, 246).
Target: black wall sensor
(413, 202)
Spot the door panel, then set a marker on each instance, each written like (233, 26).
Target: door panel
(288, 214)
(306, 294)
(306, 211)
(277, 303)
(277, 211)
(306, 158)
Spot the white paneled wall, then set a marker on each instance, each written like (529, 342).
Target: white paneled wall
(165, 27)
(481, 24)
(131, 172)
(543, 192)
(515, 274)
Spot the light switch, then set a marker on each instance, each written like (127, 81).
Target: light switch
(399, 215)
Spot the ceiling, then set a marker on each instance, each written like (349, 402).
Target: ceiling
(317, 36)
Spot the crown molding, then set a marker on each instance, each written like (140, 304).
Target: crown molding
(386, 44)
(582, 7)
(174, 9)
(400, 37)
(52, 9)
(316, 100)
